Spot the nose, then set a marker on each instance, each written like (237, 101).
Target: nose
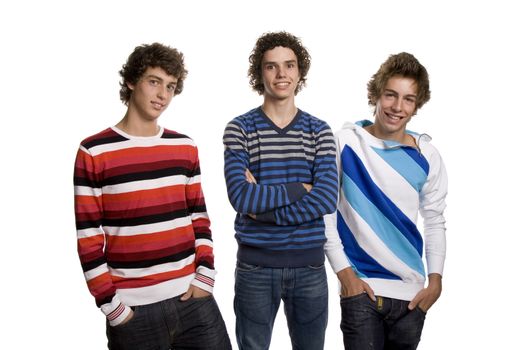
(281, 72)
(397, 105)
(162, 92)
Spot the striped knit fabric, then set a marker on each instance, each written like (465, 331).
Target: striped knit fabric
(142, 227)
(288, 230)
(383, 187)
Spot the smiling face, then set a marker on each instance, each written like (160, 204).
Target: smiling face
(395, 108)
(280, 73)
(152, 94)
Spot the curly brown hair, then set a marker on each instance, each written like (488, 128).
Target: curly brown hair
(405, 65)
(152, 55)
(272, 40)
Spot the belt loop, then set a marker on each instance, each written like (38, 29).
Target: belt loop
(379, 303)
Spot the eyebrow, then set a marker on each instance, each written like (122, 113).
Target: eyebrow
(275, 62)
(159, 78)
(395, 92)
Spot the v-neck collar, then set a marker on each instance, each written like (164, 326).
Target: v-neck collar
(279, 130)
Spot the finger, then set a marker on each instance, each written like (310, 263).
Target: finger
(247, 175)
(369, 291)
(417, 299)
(186, 296)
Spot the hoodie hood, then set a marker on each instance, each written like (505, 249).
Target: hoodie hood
(361, 124)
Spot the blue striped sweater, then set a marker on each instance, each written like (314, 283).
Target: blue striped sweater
(289, 229)
(383, 187)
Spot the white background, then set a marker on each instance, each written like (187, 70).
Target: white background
(59, 79)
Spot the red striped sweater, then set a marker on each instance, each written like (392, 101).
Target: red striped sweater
(142, 227)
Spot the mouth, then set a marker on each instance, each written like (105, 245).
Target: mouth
(394, 117)
(157, 105)
(283, 84)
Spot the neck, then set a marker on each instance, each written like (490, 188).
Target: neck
(138, 127)
(401, 136)
(280, 112)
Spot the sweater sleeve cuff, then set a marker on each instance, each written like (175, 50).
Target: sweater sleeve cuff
(204, 278)
(436, 264)
(295, 191)
(338, 260)
(115, 312)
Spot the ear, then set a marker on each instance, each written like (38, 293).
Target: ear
(130, 86)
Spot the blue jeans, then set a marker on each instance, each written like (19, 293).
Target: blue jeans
(384, 324)
(258, 294)
(172, 324)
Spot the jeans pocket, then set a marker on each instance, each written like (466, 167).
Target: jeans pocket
(421, 310)
(353, 297)
(316, 267)
(245, 267)
(130, 322)
(207, 297)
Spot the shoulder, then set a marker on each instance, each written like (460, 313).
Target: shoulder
(313, 123)
(106, 136)
(424, 142)
(171, 134)
(177, 138)
(247, 118)
(430, 153)
(349, 132)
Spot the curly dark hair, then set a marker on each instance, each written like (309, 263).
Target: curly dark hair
(269, 41)
(405, 65)
(153, 55)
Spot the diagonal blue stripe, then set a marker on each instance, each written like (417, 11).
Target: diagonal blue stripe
(363, 264)
(354, 168)
(385, 219)
(405, 165)
(382, 227)
(418, 158)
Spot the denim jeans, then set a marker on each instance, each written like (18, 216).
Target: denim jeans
(258, 294)
(172, 324)
(384, 324)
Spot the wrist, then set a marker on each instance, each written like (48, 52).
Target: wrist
(434, 281)
(347, 275)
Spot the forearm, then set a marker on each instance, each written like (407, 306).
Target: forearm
(333, 247)
(320, 201)
(253, 198)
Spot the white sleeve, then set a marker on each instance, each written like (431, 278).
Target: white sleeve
(333, 247)
(431, 206)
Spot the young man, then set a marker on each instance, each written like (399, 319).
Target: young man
(387, 174)
(281, 176)
(144, 235)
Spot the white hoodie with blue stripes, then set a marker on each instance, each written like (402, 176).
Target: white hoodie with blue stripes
(383, 185)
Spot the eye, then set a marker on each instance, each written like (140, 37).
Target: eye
(153, 82)
(269, 67)
(171, 88)
(291, 65)
(410, 100)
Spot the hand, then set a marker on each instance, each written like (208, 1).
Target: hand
(249, 177)
(128, 318)
(308, 187)
(352, 285)
(427, 296)
(194, 292)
